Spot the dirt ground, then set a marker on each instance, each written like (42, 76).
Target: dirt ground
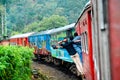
(51, 72)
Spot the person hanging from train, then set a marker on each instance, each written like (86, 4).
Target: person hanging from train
(68, 45)
(77, 45)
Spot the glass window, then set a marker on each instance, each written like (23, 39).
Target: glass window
(86, 42)
(53, 39)
(69, 33)
(36, 41)
(83, 42)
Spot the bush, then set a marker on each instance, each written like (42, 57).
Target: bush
(15, 63)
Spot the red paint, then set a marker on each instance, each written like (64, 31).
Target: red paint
(90, 45)
(78, 28)
(85, 27)
(20, 41)
(114, 27)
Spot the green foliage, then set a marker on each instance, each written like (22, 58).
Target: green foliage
(22, 14)
(31, 27)
(53, 21)
(2, 11)
(14, 33)
(15, 63)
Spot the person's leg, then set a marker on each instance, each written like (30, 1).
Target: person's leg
(78, 64)
(79, 51)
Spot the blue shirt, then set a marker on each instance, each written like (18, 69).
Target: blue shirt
(77, 46)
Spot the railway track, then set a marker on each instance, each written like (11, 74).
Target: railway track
(53, 72)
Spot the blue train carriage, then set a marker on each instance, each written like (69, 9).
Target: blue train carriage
(61, 56)
(57, 35)
(41, 43)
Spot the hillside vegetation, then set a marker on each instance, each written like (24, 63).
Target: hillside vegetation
(15, 63)
(20, 16)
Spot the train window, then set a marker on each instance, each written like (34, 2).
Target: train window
(43, 43)
(61, 35)
(36, 40)
(83, 42)
(86, 42)
(39, 43)
(69, 33)
(53, 39)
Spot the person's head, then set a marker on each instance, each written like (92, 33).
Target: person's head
(75, 34)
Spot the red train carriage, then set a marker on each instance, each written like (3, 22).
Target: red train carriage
(83, 28)
(99, 28)
(106, 29)
(4, 42)
(21, 39)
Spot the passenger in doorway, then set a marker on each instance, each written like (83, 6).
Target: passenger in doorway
(72, 52)
(77, 45)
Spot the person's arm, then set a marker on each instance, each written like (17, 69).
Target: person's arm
(76, 41)
(56, 47)
(59, 46)
(60, 42)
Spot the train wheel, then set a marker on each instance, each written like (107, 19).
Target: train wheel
(38, 57)
(48, 58)
(73, 69)
(56, 62)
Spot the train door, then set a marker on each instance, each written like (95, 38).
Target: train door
(100, 38)
(24, 41)
(90, 46)
(19, 41)
(86, 42)
(48, 41)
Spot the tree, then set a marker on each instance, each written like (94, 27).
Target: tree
(22, 14)
(53, 21)
(2, 20)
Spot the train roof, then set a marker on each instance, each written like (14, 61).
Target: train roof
(22, 35)
(88, 5)
(56, 30)
(67, 27)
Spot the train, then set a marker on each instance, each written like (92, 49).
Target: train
(98, 27)
(43, 42)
